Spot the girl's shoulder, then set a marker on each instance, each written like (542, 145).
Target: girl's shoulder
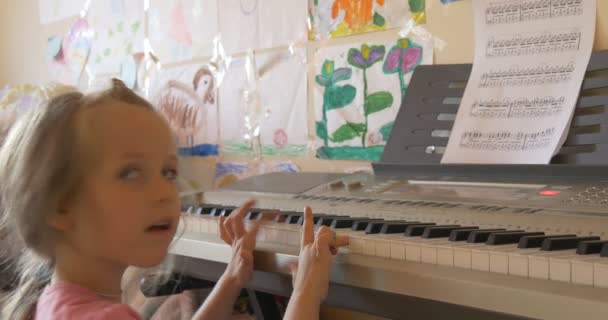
(70, 301)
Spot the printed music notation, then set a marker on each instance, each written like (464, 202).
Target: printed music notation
(530, 76)
(502, 11)
(506, 141)
(518, 108)
(533, 43)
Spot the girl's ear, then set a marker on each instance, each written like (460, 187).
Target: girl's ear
(61, 219)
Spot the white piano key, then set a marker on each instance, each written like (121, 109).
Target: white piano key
(369, 247)
(499, 258)
(560, 268)
(462, 254)
(539, 263)
(293, 238)
(357, 244)
(582, 271)
(429, 249)
(519, 261)
(397, 250)
(480, 259)
(383, 247)
(600, 273)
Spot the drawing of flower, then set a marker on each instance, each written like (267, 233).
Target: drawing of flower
(377, 101)
(402, 59)
(334, 97)
(365, 57)
(357, 13)
(280, 138)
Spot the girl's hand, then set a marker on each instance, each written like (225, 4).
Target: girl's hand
(311, 274)
(242, 239)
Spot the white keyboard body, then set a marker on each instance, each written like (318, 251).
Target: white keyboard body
(526, 283)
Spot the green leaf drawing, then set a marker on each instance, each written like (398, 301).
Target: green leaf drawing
(378, 101)
(385, 130)
(379, 20)
(417, 5)
(321, 80)
(107, 52)
(120, 27)
(321, 130)
(135, 26)
(129, 49)
(348, 131)
(340, 96)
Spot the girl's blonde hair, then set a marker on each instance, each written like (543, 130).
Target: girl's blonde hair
(40, 167)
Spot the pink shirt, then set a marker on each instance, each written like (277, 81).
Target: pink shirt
(69, 301)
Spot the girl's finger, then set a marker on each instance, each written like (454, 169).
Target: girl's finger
(308, 234)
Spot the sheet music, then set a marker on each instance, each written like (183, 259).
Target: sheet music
(530, 60)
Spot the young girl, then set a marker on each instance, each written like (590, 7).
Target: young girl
(88, 189)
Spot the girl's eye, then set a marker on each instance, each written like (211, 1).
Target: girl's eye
(170, 174)
(130, 173)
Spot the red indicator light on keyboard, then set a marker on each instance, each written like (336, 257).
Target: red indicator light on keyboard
(549, 193)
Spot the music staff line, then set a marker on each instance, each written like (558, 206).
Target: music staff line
(503, 13)
(517, 108)
(529, 76)
(506, 141)
(535, 43)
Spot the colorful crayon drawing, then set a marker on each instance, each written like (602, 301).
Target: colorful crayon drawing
(188, 102)
(338, 18)
(359, 92)
(180, 30)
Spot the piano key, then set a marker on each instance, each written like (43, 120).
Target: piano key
(441, 231)
(361, 225)
(528, 242)
(375, 226)
(253, 215)
(500, 238)
(327, 221)
(553, 244)
(463, 234)
(600, 273)
(582, 270)
(345, 222)
(481, 236)
(293, 217)
(604, 252)
(499, 258)
(315, 218)
(417, 230)
(590, 247)
(389, 228)
(207, 210)
(539, 263)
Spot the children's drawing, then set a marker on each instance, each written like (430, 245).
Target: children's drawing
(227, 173)
(68, 54)
(187, 99)
(119, 33)
(418, 9)
(257, 24)
(180, 30)
(358, 93)
(402, 59)
(276, 125)
(338, 18)
(55, 10)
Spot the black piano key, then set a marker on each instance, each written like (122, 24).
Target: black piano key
(537, 241)
(342, 222)
(416, 230)
(481, 236)
(590, 247)
(253, 215)
(315, 218)
(604, 252)
(216, 212)
(293, 217)
(554, 244)
(327, 221)
(226, 212)
(441, 231)
(207, 210)
(499, 238)
(463, 234)
(361, 225)
(375, 226)
(392, 228)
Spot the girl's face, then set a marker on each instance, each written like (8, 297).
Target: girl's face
(127, 209)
